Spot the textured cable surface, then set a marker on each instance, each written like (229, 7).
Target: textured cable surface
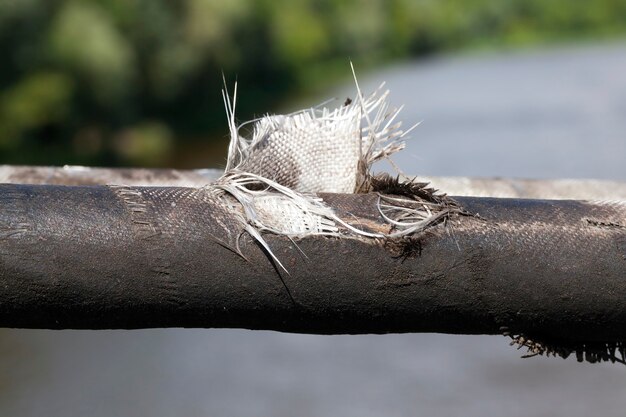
(132, 257)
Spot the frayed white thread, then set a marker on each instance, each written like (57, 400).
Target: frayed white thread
(408, 220)
(271, 207)
(275, 173)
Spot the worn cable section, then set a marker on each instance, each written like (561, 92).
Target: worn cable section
(277, 173)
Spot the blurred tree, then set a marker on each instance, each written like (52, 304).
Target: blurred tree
(138, 81)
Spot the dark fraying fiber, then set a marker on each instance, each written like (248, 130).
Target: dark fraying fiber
(592, 352)
(386, 184)
(405, 248)
(414, 195)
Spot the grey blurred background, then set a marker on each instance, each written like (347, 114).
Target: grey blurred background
(504, 88)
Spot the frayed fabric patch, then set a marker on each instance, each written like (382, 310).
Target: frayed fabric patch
(278, 170)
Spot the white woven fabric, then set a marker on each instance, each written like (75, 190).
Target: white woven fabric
(320, 149)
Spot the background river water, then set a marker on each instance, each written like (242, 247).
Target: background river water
(547, 114)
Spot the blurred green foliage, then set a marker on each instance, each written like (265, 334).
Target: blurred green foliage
(114, 82)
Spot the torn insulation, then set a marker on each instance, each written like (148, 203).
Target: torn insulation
(277, 173)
